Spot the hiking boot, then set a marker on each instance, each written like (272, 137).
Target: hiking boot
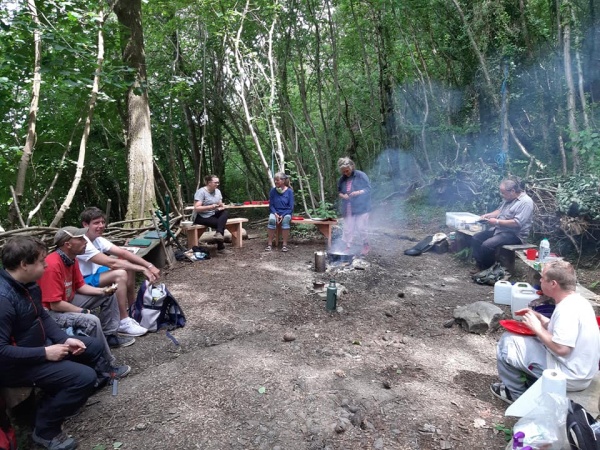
(219, 237)
(130, 327)
(121, 371)
(59, 442)
(115, 341)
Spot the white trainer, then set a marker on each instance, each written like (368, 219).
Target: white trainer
(130, 327)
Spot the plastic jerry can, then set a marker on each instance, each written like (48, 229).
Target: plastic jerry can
(502, 292)
(521, 295)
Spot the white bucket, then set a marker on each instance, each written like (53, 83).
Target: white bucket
(521, 295)
(502, 292)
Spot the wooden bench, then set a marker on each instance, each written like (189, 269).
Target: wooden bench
(324, 226)
(12, 396)
(507, 255)
(234, 226)
(153, 253)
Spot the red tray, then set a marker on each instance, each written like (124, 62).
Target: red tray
(515, 326)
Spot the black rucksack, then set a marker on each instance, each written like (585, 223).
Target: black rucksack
(579, 428)
(155, 308)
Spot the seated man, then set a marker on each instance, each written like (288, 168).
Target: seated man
(511, 223)
(35, 351)
(568, 342)
(100, 270)
(67, 297)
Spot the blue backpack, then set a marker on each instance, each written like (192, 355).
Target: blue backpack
(155, 308)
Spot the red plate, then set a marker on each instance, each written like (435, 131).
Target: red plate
(517, 327)
(297, 218)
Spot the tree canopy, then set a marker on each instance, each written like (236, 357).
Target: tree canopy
(410, 90)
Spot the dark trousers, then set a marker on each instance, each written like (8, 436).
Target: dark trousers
(66, 385)
(484, 246)
(217, 222)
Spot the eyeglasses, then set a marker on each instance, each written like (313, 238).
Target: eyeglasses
(214, 182)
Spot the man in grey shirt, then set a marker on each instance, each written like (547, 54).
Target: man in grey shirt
(510, 223)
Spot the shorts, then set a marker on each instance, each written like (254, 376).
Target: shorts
(94, 279)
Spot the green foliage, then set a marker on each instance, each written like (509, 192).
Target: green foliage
(588, 142)
(579, 196)
(504, 429)
(324, 211)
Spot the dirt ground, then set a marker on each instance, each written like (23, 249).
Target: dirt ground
(381, 373)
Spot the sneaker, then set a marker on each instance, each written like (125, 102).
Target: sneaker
(121, 371)
(130, 327)
(59, 442)
(500, 391)
(219, 237)
(115, 341)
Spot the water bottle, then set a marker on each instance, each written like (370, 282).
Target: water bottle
(544, 253)
(331, 296)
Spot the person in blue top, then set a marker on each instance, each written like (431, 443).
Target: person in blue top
(281, 206)
(354, 190)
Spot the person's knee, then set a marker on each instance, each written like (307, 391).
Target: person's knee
(285, 223)
(272, 224)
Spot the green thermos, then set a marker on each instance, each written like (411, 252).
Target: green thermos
(331, 296)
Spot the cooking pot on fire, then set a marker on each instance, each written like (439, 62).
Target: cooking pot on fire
(340, 257)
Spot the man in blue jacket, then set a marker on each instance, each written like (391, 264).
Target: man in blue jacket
(34, 351)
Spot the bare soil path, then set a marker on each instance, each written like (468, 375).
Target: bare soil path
(382, 373)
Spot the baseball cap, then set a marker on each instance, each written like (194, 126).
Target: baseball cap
(66, 233)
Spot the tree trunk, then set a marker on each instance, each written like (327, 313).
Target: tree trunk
(139, 137)
(33, 109)
(571, 92)
(86, 131)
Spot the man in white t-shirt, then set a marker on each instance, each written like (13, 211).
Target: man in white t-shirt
(569, 341)
(99, 269)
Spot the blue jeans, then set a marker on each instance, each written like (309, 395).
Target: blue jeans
(285, 223)
(484, 246)
(66, 384)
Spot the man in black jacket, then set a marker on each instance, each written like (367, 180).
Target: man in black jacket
(34, 351)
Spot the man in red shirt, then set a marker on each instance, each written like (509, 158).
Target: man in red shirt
(70, 301)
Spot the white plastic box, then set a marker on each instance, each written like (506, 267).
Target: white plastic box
(460, 220)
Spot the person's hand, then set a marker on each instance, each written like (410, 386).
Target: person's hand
(532, 321)
(57, 352)
(76, 347)
(110, 290)
(279, 218)
(344, 196)
(154, 270)
(484, 216)
(149, 275)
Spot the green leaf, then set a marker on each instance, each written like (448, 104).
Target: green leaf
(117, 444)
(262, 390)
(99, 447)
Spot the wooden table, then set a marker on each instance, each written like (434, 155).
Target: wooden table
(231, 206)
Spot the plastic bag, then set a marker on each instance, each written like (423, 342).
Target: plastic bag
(545, 427)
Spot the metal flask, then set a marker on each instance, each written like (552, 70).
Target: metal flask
(331, 296)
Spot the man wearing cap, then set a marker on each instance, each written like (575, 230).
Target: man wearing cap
(68, 298)
(99, 269)
(34, 351)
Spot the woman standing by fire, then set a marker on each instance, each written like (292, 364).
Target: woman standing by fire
(354, 190)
